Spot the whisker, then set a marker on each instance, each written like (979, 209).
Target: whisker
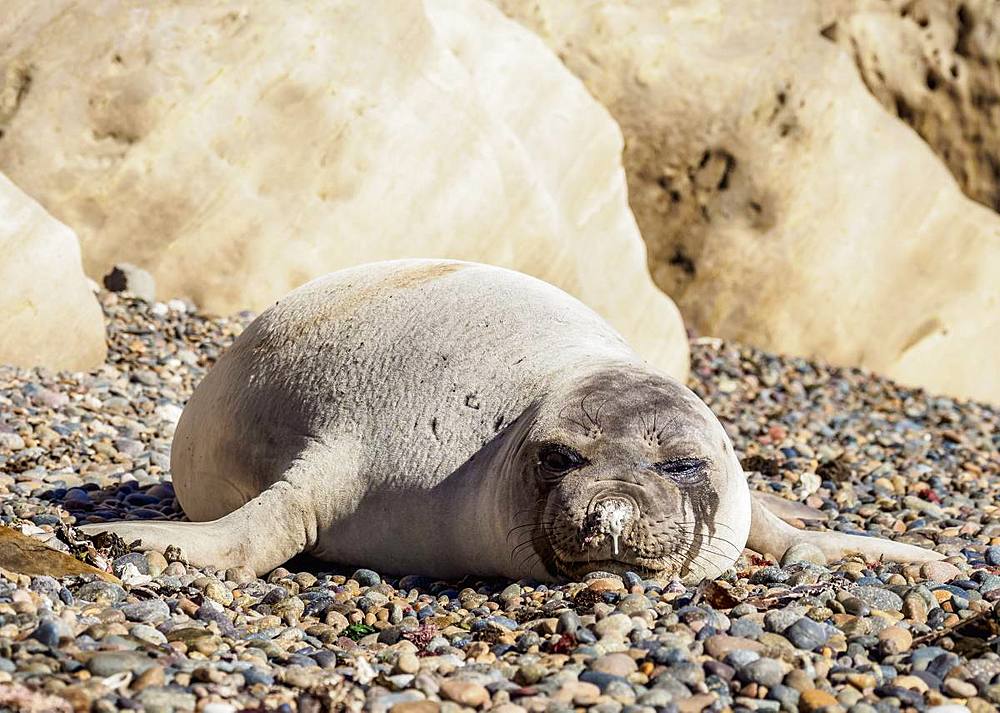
(583, 407)
(712, 549)
(692, 522)
(716, 538)
(528, 558)
(531, 541)
(597, 416)
(512, 530)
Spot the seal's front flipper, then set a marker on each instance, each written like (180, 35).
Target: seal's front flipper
(771, 535)
(262, 534)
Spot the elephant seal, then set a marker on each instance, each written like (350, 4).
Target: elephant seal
(449, 418)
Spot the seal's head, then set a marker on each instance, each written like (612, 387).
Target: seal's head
(632, 471)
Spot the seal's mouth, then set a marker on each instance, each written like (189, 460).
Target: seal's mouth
(618, 528)
(646, 567)
(611, 538)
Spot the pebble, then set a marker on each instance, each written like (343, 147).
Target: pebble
(958, 688)
(895, 640)
(807, 634)
(615, 626)
(465, 693)
(803, 552)
(600, 679)
(879, 598)
(815, 699)
(407, 663)
(614, 664)
(366, 578)
(108, 663)
(135, 559)
(720, 645)
(149, 611)
(939, 571)
(49, 632)
(166, 698)
(763, 671)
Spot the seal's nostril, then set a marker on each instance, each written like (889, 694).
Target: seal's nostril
(612, 516)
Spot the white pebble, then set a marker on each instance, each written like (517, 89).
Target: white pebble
(219, 708)
(169, 413)
(131, 576)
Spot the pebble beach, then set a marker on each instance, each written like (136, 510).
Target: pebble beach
(803, 634)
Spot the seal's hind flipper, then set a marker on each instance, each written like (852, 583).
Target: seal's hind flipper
(262, 534)
(789, 509)
(771, 535)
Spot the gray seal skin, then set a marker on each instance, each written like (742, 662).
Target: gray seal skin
(449, 418)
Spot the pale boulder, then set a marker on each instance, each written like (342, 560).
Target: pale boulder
(781, 204)
(237, 149)
(936, 65)
(48, 314)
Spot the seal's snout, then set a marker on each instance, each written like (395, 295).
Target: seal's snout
(610, 518)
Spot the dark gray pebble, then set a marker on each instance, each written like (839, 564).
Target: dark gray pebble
(599, 678)
(151, 610)
(48, 632)
(366, 578)
(787, 697)
(138, 559)
(101, 592)
(879, 598)
(764, 672)
(807, 634)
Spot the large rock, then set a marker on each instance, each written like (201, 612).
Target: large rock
(782, 205)
(238, 148)
(48, 315)
(22, 554)
(936, 65)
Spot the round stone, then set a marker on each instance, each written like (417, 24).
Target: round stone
(49, 632)
(815, 699)
(879, 598)
(466, 693)
(807, 634)
(803, 552)
(366, 578)
(407, 663)
(614, 626)
(148, 611)
(764, 672)
(108, 663)
(958, 688)
(895, 640)
(136, 559)
(940, 571)
(614, 664)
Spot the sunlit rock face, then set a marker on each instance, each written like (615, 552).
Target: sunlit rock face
(781, 204)
(936, 65)
(48, 314)
(237, 149)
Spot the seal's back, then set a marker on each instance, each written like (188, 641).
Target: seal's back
(435, 356)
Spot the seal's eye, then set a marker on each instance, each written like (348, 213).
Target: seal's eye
(556, 459)
(683, 470)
